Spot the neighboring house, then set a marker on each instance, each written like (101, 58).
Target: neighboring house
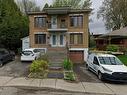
(117, 37)
(25, 43)
(59, 28)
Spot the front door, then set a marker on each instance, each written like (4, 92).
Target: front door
(57, 40)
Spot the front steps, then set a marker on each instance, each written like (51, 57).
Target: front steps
(56, 57)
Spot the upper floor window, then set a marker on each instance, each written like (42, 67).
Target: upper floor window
(63, 23)
(40, 22)
(76, 38)
(76, 21)
(40, 38)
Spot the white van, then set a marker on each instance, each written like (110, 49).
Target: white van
(107, 66)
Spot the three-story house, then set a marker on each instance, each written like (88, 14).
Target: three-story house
(58, 28)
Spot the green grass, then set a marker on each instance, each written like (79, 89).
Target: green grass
(123, 58)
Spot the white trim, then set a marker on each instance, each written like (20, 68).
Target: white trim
(85, 50)
(57, 29)
(76, 49)
(74, 32)
(75, 14)
(40, 32)
(41, 16)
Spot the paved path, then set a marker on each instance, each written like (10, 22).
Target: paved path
(105, 88)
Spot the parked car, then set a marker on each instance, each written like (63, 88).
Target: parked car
(31, 54)
(107, 67)
(5, 56)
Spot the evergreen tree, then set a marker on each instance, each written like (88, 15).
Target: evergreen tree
(13, 25)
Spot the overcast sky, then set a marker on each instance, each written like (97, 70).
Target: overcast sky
(97, 25)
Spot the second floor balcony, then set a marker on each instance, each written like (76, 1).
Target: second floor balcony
(57, 27)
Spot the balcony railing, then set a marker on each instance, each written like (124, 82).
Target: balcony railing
(61, 26)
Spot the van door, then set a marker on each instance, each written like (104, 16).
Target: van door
(95, 64)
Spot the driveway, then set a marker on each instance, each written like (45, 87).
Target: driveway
(15, 68)
(84, 75)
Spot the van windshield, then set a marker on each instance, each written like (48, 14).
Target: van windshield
(110, 61)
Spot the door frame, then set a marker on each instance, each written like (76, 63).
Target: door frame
(58, 40)
(54, 22)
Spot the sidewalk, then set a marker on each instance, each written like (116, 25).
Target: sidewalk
(88, 87)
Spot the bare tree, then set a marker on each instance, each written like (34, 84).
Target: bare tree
(27, 6)
(114, 13)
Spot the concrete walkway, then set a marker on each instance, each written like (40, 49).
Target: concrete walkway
(116, 89)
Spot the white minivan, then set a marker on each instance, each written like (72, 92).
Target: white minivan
(107, 66)
(32, 54)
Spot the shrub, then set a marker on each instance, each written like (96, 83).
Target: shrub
(67, 64)
(113, 48)
(69, 76)
(38, 66)
(124, 50)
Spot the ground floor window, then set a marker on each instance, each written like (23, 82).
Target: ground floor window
(40, 38)
(76, 38)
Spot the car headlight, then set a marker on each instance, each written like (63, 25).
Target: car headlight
(105, 69)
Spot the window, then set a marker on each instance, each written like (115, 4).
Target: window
(96, 61)
(40, 22)
(76, 38)
(80, 39)
(71, 38)
(27, 53)
(63, 24)
(110, 61)
(40, 38)
(76, 21)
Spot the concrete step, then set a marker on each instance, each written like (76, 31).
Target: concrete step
(56, 57)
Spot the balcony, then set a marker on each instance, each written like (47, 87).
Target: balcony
(57, 27)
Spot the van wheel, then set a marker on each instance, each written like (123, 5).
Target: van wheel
(100, 76)
(1, 64)
(87, 67)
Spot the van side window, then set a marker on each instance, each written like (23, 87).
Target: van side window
(95, 61)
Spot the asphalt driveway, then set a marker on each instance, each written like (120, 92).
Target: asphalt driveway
(21, 69)
(15, 68)
(84, 75)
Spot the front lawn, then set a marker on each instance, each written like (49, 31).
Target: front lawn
(123, 58)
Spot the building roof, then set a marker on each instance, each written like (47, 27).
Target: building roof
(25, 38)
(120, 32)
(60, 10)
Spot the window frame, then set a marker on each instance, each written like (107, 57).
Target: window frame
(75, 21)
(40, 40)
(75, 37)
(40, 23)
